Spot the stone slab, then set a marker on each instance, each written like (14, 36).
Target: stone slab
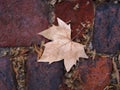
(7, 76)
(106, 36)
(21, 21)
(78, 13)
(43, 76)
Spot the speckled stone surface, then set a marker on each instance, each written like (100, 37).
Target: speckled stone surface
(96, 74)
(43, 76)
(90, 74)
(7, 76)
(78, 13)
(21, 21)
(106, 36)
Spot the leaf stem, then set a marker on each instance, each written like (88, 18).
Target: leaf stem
(77, 34)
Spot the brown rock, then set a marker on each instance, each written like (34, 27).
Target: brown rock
(79, 13)
(43, 76)
(97, 74)
(90, 75)
(21, 20)
(106, 36)
(7, 77)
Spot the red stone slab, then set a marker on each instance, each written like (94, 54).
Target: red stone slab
(92, 74)
(21, 20)
(106, 36)
(98, 75)
(7, 76)
(78, 13)
(43, 76)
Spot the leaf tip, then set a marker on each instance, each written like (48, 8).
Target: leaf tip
(63, 24)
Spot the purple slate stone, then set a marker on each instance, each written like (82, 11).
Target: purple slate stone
(21, 21)
(106, 36)
(43, 76)
(7, 77)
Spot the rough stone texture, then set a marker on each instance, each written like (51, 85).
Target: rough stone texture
(96, 74)
(106, 36)
(7, 78)
(91, 74)
(78, 13)
(21, 20)
(43, 76)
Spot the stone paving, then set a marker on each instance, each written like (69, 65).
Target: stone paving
(22, 20)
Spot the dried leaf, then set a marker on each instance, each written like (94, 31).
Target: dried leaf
(116, 71)
(61, 46)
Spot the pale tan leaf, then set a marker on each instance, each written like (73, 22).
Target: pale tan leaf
(63, 25)
(51, 52)
(62, 47)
